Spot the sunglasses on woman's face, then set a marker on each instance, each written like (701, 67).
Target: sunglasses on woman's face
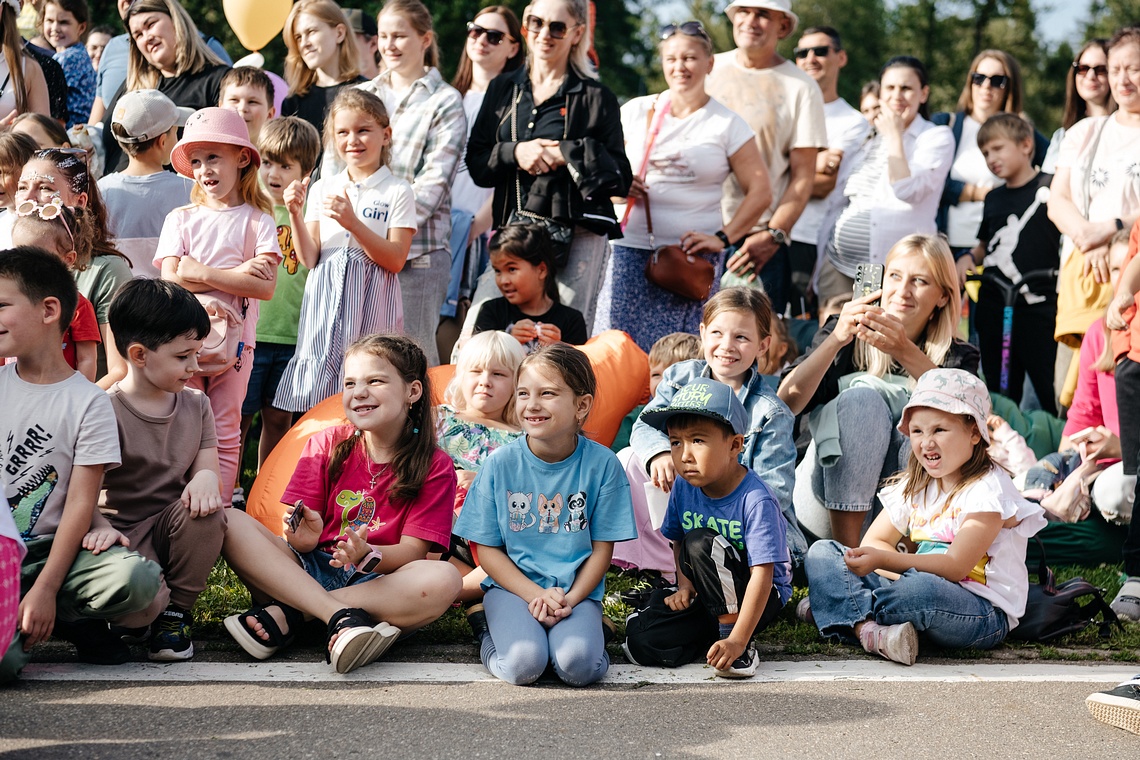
(1083, 69)
(997, 81)
(689, 29)
(821, 51)
(557, 29)
(494, 36)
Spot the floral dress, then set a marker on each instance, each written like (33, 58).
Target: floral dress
(468, 443)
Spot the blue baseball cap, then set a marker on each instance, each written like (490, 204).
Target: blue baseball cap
(704, 397)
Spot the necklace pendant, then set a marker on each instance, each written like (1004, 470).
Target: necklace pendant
(372, 482)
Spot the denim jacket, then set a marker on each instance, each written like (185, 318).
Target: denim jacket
(769, 446)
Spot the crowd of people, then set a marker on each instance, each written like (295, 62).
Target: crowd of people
(223, 249)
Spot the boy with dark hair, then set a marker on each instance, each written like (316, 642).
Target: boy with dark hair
(1016, 236)
(728, 532)
(145, 124)
(290, 148)
(57, 438)
(249, 91)
(164, 499)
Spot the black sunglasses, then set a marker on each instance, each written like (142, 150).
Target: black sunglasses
(494, 36)
(1083, 69)
(821, 51)
(689, 29)
(997, 81)
(557, 29)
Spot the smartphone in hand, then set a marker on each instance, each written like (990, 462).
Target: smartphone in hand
(868, 279)
(297, 515)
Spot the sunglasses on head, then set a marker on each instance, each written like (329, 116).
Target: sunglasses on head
(1083, 69)
(494, 36)
(997, 81)
(53, 209)
(821, 51)
(557, 29)
(689, 29)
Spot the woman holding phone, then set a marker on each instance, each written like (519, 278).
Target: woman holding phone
(892, 335)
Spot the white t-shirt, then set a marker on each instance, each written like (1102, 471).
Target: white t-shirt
(7, 222)
(1113, 186)
(218, 238)
(381, 201)
(846, 131)
(1000, 576)
(46, 430)
(783, 105)
(465, 194)
(136, 210)
(686, 169)
(969, 166)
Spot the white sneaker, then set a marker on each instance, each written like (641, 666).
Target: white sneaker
(743, 666)
(803, 611)
(898, 643)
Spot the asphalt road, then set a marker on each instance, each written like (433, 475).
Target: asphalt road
(874, 720)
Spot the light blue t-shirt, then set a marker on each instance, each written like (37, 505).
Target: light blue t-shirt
(749, 517)
(546, 515)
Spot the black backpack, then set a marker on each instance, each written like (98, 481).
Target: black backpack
(1053, 611)
(657, 635)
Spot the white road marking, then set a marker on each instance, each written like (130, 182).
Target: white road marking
(411, 672)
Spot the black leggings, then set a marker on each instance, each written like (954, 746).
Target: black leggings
(1032, 349)
(1128, 404)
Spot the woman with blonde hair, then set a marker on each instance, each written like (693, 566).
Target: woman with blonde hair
(549, 140)
(169, 55)
(891, 336)
(322, 58)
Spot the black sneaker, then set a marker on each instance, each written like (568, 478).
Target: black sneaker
(1118, 707)
(132, 635)
(170, 638)
(94, 642)
(743, 666)
(477, 619)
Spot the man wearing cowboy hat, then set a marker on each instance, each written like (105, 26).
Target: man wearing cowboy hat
(820, 54)
(785, 108)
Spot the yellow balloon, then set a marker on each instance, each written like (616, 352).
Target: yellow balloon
(256, 22)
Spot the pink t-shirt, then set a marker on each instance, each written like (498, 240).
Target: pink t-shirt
(1094, 402)
(350, 501)
(223, 239)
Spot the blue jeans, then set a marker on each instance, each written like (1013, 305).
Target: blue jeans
(873, 449)
(519, 647)
(945, 613)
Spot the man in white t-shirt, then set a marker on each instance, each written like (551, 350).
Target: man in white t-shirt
(820, 55)
(785, 108)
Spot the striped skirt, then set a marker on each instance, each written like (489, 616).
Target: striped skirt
(347, 296)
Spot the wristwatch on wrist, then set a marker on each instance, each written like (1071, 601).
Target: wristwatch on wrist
(778, 235)
(370, 563)
(723, 237)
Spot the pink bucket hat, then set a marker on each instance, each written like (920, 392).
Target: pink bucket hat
(954, 391)
(211, 125)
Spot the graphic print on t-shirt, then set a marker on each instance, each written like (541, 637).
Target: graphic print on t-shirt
(520, 516)
(672, 166)
(357, 510)
(1005, 241)
(733, 530)
(34, 483)
(933, 534)
(289, 261)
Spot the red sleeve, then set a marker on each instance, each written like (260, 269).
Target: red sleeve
(430, 515)
(84, 325)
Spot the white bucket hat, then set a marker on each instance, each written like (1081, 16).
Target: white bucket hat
(783, 6)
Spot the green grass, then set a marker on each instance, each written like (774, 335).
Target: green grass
(225, 595)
